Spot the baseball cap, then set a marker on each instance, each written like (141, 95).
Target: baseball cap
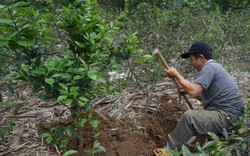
(198, 47)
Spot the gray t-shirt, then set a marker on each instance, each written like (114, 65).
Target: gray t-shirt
(220, 90)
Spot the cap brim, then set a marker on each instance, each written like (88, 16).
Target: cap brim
(185, 55)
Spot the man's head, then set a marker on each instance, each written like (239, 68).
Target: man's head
(197, 49)
(198, 54)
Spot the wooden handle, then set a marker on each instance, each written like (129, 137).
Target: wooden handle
(176, 83)
(163, 59)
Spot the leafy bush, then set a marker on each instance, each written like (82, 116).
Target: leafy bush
(78, 75)
(176, 28)
(24, 34)
(232, 4)
(5, 129)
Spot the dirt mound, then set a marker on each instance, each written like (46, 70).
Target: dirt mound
(133, 123)
(137, 121)
(131, 137)
(144, 133)
(159, 124)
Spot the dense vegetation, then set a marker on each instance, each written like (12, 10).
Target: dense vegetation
(66, 48)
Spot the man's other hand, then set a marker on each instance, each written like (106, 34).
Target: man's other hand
(171, 72)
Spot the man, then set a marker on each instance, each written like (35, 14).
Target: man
(219, 93)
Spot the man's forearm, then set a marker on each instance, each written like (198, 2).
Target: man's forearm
(188, 87)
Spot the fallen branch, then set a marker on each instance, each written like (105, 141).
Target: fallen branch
(13, 150)
(129, 104)
(142, 107)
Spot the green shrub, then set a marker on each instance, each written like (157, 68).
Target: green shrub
(7, 128)
(79, 74)
(232, 4)
(24, 34)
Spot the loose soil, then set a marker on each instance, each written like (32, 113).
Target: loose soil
(132, 124)
(137, 137)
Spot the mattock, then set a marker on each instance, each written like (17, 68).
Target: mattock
(157, 51)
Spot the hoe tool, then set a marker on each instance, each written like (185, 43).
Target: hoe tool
(157, 51)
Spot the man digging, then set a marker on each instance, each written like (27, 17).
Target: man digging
(220, 95)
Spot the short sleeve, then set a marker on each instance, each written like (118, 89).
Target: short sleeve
(206, 76)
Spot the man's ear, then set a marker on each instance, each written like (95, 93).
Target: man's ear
(202, 56)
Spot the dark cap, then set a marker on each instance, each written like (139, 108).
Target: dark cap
(198, 47)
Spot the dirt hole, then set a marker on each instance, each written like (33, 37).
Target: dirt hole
(131, 136)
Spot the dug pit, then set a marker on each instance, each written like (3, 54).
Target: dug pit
(132, 124)
(136, 136)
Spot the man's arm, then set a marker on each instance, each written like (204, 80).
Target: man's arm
(194, 90)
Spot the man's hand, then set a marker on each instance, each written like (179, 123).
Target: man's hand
(182, 91)
(194, 90)
(172, 72)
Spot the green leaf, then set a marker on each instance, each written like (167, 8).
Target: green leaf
(239, 138)
(147, 56)
(208, 144)
(83, 99)
(2, 6)
(56, 75)
(76, 70)
(96, 144)
(242, 130)
(25, 42)
(47, 39)
(25, 11)
(63, 143)
(102, 80)
(74, 89)
(42, 22)
(186, 151)
(37, 71)
(20, 4)
(139, 60)
(50, 81)
(49, 139)
(97, 148)
(111, 24)
(69, 132)
(81, 103)
(67, 101)
(44, 135)
(244, 146)
(46, 15)
(63, 92)
(66, 76)
(213, 136)
(61, 98)
(93, 74)
(191, 140)
(3, 43)
(70, 152)
(81, 123)
(5, 21)
(94, 123)
(76, 77)
(90, 115)
(64, 86)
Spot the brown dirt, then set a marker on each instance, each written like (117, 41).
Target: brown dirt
(130, 126)
(136, 137)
